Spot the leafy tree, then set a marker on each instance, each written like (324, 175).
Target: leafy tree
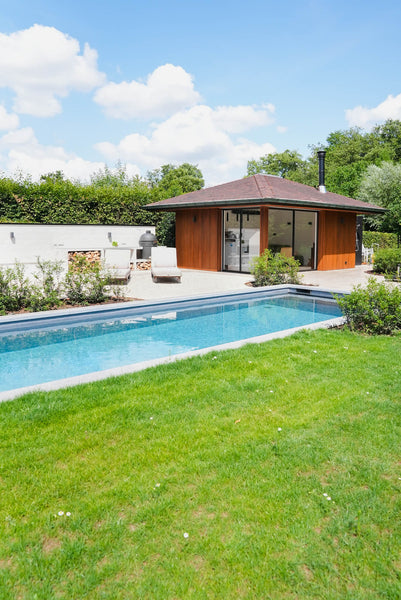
(285, 164)
(171, 181)
(53, 177)
(382, 186)
(114, 178)
(348, 155)
(167, 182)
(389, 135)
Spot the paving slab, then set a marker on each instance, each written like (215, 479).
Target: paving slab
(194, 282)
(341, 280)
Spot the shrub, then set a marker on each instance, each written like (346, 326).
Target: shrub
(274, 269)
(47, 293)
(387, 260)
(374, 309)
(86, 283)
(15, 289)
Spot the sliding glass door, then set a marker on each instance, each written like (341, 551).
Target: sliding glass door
(293, 233)
(241, 239)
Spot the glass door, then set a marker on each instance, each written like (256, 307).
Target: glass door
(232, 236)
(293, 233)
(250, 238)
(241, 240)
(304, 239)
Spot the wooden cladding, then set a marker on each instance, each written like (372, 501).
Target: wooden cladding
(336, 240)
(199, 241)
(198, 238)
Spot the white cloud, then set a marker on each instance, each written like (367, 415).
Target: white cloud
(198, 135)
(167, 90)
(8, 121)
(361, 116)
(41, 65)
(21, 151)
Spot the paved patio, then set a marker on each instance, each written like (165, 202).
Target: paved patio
(194, 283)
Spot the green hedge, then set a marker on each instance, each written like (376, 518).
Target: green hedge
(64, 202)
(384, 240)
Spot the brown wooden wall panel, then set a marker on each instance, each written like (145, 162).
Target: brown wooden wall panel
(198, 238)
(336, 240)
(264, 228)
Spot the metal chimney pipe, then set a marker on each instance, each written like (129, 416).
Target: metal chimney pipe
(321, 156)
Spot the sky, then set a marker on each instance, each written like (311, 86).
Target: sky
(213, 83)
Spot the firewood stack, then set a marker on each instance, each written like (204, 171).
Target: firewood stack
(91, 256)
(143, 266)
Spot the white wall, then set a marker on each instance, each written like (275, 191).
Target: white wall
(52, 242)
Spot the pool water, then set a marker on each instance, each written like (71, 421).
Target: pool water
(42, 355)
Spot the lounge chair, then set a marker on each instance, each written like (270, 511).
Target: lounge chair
(118, 261)
(164, 263)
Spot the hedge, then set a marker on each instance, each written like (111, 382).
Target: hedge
(383, 240)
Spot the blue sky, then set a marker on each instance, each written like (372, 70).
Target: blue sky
(212, 83)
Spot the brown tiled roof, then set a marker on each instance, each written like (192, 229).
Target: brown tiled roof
(263, 189)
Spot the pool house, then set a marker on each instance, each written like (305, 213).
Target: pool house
(222, 228)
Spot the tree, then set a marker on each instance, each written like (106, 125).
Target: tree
(348, 155)
(285, 164)
(167, 182)
(53, 177)
(116, 177)
(389, 135)
(382, 186)
(171, 181)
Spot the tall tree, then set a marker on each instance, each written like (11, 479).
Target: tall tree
(167, 182)
(382, 186)
(285, 164)
(348, 155)
(170, 180)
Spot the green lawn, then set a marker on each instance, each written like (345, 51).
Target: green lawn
(241, 450)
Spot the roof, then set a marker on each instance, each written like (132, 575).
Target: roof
(264, 189)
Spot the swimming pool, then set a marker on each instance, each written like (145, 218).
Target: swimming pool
(75, 346)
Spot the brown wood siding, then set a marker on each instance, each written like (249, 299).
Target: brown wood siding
(336, 240)
(264, 228)
(198, 238)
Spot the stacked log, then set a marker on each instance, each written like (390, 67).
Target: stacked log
(91, 256)
(143, 266)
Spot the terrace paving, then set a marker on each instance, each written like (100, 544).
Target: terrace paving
(194, 282)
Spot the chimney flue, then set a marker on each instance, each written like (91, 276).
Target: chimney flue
(321, 156)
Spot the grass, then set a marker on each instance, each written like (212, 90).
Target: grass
(240, 450)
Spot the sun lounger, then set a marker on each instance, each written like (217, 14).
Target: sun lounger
(164, 263)
(118, 261)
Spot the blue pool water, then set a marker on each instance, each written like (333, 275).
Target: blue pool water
(31, 357)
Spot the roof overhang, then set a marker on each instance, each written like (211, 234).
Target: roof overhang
(266, 201)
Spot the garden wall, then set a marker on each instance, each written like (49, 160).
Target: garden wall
(25, 243)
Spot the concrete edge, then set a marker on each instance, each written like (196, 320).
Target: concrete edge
(104, 310)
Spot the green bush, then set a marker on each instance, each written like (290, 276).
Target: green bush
(86, 283)
(46, 294)
(387, 260)
(379, 238)
(83, 284)
(374, 309)
(15, 289)
(274, 269)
